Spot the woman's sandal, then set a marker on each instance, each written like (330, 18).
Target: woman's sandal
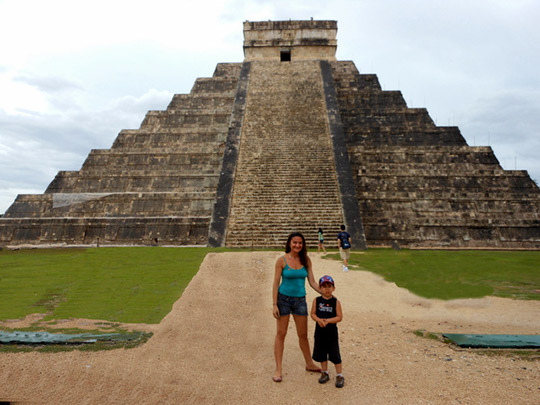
(276, 379)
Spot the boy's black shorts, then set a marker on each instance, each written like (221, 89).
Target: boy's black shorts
(326, 349)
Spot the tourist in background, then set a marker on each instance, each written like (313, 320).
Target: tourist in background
(344, 245)
(289, 297)
(320, 238)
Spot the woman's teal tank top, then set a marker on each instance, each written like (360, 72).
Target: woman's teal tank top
(293, 281)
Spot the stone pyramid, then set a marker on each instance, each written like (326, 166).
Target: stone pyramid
(289, 139)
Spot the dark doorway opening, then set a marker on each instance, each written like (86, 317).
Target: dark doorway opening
(285, 56)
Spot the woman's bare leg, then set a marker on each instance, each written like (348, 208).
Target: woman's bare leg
(279, 345)
(301, 329)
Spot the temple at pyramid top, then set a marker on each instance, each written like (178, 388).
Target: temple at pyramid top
(290, 40)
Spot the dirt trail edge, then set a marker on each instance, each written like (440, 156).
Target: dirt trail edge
(216, 346)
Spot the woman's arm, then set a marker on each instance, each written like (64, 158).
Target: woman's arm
(275, 287)
(339, 314)
(311, 279)
(314, 311)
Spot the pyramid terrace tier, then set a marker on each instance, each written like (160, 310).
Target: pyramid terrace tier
(59, 205)
(122, 231)
(132, 181)
(455, 234)
(158, 120)
(395, 155)
(180, 139)
(156, 160)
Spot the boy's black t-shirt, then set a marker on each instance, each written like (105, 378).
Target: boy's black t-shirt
(326, 309)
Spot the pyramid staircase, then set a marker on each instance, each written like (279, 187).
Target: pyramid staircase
(285, 178)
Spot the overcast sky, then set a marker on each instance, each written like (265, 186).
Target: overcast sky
(74, 73)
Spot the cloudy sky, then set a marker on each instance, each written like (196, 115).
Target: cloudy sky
(74, 73)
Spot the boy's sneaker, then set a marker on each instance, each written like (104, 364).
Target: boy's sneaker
(340, 381)
(345, 268)
(324, 378)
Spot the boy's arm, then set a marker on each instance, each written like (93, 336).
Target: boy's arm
(322, 322)
(339, 314)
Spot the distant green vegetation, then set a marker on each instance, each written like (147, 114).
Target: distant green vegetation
(447, 274)
(130, 285)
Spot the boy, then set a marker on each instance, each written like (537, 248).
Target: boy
(344, 245)
(326, 311)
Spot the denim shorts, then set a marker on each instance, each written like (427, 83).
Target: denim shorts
(291, 305)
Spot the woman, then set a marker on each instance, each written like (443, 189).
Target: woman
(289, 297)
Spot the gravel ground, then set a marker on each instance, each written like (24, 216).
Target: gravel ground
(216, 346)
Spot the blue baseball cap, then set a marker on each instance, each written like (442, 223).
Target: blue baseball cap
(326, 279)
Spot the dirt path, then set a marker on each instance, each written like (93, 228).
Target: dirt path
(216, 346)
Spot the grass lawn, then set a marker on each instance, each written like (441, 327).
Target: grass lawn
(140, 285)
(130, 285)
(450, 274)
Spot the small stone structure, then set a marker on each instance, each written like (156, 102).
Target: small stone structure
(290, 139)
(290, 40)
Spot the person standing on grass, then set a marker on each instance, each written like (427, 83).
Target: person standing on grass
(344, 245)
(289, 297)
(320, 237)
(326, 311)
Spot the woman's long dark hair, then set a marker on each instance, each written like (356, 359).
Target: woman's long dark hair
(303, 253)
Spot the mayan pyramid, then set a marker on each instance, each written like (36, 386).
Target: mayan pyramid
(289, 139)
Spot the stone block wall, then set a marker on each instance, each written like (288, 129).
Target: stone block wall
(421, 185)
